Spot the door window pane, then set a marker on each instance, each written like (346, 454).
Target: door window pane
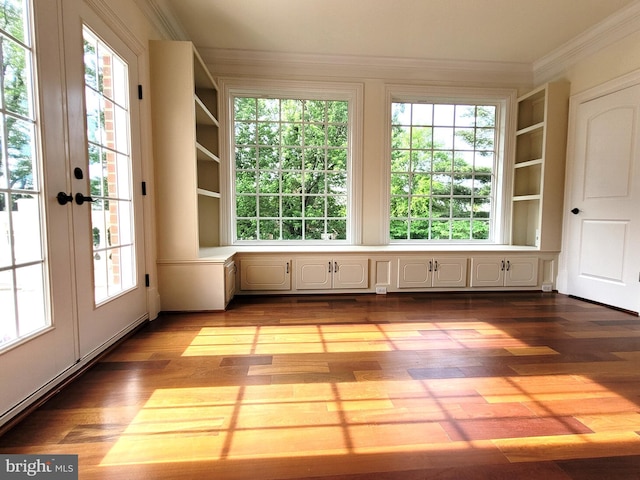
(108, 151)
(23, 269)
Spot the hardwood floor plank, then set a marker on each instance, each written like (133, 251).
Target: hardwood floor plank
(403, 386)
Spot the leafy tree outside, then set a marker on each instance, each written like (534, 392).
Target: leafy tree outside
(442, 159)
(291, 168)
(16, 170)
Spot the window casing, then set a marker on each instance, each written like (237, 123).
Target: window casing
(446, 176)
(293, 160)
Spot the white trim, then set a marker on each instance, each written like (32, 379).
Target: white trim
(353, 92)
(251, 63)
(228, 62)
(115, 23)
(617, 26)
(159, 13)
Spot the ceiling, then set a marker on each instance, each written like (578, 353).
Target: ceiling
(519, 31)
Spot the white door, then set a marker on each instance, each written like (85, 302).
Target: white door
(105, 180)
(37, 319)
(603, 225)
(71, 274)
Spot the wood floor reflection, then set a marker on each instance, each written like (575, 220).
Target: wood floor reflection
(399, 386)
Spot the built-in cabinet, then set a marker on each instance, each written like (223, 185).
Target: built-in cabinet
(321, 273)
(184, 107)
(494, 271)
(538, 173)
(185, 124)
(422, 272)
(197, 273)
(265, 274)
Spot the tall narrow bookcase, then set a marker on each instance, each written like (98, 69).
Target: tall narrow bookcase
(538, 174)
(185, 130)
(187, 173)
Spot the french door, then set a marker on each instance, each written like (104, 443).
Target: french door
(71, 253)
(105, 168)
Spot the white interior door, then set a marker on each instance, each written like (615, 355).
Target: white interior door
(106, 181)
(603, 225)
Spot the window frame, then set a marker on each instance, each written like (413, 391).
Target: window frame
(504, 101)
(350, 92)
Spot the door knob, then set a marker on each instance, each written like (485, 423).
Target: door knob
(575, 211)
(63, 198)
(80, 199)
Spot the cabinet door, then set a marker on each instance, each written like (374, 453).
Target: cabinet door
(351, 272)
(313, 273)
(414, 272)
(229, 281)
(450, 272)
(265, 274)
(521, 272)
(487, 272)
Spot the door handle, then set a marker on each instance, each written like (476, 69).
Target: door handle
(63, 198)
(80, 199)
(575, 211)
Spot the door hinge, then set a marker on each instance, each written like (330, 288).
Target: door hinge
(144, 188)
(147, 281)
(139, 92)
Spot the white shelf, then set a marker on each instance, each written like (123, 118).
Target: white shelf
(203, 154)
(529, 163)
(529, 129)
(538, 170)
(207, 193)
(524, 198)
(203, 115)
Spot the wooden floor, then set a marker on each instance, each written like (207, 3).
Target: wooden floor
(402, 386)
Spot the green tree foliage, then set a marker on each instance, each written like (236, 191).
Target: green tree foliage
(291, 168)
(441, 172)
(17, 172)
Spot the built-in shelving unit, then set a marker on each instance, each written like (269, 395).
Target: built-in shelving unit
(187, 166)
(185, 121)
(538, 172)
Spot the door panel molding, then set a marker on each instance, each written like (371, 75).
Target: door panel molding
(603, 198)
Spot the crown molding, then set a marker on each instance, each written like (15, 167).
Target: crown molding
(231, 62)
(615, 27)
(111, 18)
(159, 13)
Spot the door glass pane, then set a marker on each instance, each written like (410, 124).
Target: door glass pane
(23, 269)
(108, 152)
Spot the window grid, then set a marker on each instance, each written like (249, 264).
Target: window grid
(23, 268)
(291, 168)
(442, 171)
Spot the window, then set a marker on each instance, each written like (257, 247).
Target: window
(109, 152)
(23, 270)
(443, 170)
(292, 168)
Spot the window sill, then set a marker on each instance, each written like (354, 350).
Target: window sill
(223, 254)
